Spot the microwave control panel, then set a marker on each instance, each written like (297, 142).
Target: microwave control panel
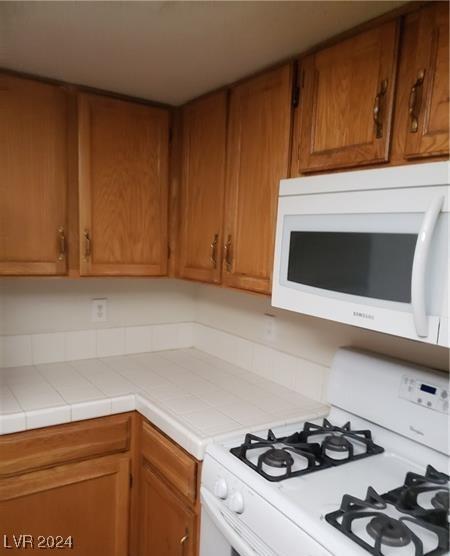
(425, 394)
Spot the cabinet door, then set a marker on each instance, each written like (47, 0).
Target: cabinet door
(123, 163)
(346, 98)
(86, 501)
(168, 526)
(203, 175)
(258, 157)
(426, 61)
(33, 183)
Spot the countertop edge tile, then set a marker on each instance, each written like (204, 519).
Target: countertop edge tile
(187, 436)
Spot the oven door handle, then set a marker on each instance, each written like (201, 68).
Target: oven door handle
(418, 290)
(237, 542)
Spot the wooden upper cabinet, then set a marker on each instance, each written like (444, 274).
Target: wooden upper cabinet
(257, 158)
(203, 179)
(33, 182)
(123, 187)
(346, 98)
(424, 75)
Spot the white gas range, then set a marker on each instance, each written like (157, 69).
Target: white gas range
(370, 479)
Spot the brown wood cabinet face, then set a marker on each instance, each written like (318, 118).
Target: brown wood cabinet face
(258, 157)
(171, 461)
(346, 98)
(33, 184)
(87, 501)
(203, 179)
(425, 75)
(51, 446)
(123, 181)
(168, 525)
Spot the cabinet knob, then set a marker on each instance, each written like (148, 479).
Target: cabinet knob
(377, 109)
(228, 254)
(183, 541)
(414, 102)
(87, 245)
(213, 257)
(62, 243)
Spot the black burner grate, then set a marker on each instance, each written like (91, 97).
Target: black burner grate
(280, 451)
(390, 532)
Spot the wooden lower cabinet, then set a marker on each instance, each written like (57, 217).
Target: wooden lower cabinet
(84, 504)
(112, 486)
(168, 496)
(168, 524)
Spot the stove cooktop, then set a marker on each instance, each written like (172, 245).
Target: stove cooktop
(409, 520)
(314, 448)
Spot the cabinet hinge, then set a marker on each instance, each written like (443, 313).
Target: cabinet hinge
(131, 480)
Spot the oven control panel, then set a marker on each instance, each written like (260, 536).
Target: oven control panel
(426, 394)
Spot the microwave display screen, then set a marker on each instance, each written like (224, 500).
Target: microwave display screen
(375, 265)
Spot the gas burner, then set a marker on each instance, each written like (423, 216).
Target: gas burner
(391, 532)
(426, 529)
(440, 501)
(422, 495)
(277, 457)
(340, 444)
(315, 447)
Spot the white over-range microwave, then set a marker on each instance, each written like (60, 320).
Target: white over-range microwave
(368, 248)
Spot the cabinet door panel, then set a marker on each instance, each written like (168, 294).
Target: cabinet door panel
(123, 149)
(203, 176)
(168, 525)
(87, 501)
(258, 157)
(346, 98)
(33, 184)
(428, 54)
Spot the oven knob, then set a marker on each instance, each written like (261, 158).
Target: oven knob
(237, 503)
(221, 489)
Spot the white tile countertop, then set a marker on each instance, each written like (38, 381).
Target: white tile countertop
(192, 396)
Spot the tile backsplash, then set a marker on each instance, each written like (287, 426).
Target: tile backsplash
(304, 376)
(34, 349)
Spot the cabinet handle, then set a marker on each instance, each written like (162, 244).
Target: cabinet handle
(62, 243)
(414, 106)
(87, 245)
(213, 257)
(183, 541)
(377, 115)
(228, 255)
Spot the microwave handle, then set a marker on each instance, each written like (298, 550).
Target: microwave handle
(210, 505)
(418, 290)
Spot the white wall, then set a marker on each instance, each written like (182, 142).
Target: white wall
(43, 305)
(36, 306)
(307, 337)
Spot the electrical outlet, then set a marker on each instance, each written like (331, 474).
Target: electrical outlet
(99, 310)
(269, 327)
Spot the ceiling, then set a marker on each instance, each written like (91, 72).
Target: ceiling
(167, 51)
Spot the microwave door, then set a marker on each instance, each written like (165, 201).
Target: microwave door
(418, 286)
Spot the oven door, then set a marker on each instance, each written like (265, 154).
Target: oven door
(222, 535)
(375, 259)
